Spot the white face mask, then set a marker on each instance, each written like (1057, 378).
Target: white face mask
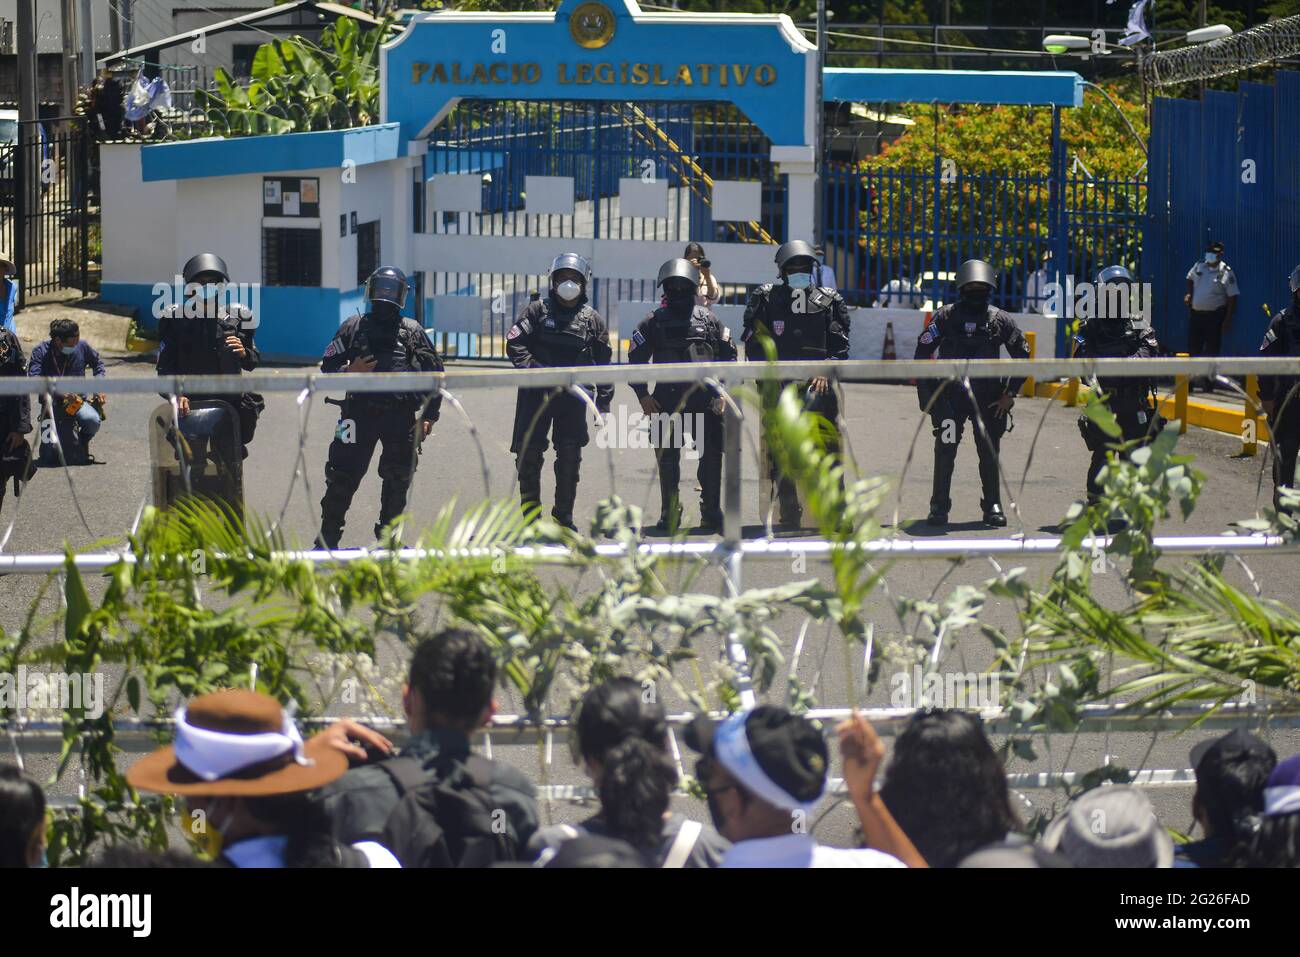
(568, 291)
(1211, 258)
(799, 280)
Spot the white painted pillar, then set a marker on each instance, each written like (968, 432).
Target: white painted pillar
(798, 165)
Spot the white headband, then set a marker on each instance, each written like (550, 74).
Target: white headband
(731, 746)
(1281, 800)
(216, 754)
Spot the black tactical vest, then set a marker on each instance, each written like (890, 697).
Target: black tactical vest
(682, 337)
(968, 336)
(799, 335)
(564, 339)
(388, 342)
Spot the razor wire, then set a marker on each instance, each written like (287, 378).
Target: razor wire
(732, 551)
(1258, 46)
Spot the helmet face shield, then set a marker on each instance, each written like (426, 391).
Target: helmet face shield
(387, 285)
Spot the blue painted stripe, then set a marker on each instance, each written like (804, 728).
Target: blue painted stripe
(872, 85)
(268, 154)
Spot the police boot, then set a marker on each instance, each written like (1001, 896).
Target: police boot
(392, 503)
(670, 507)
(945, 460)
(334, 506)
(991, 503)
(529, 465)
(568, 463)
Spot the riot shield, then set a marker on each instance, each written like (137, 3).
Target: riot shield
(203, 459)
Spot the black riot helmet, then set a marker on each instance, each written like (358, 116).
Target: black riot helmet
(795, 254)
(680, 280)
(387, 284)
(1114, 295)
(975, 271)
(569, 268)
(205, 267)
(975, 282)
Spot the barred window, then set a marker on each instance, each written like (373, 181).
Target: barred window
(367, 250)
(291, 257)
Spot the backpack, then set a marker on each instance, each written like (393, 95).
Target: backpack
(449, 819)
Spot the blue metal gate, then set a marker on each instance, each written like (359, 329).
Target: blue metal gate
(1224, 168)
(884, 224)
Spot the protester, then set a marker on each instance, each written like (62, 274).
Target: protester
(1275, 837)
(763, 772)
(621, 740)
(22, 819)
(710, 291)
(1110, 826)
(395, 800)
(592, 851)
(947, 789)
(1231, 773)
(246, 776)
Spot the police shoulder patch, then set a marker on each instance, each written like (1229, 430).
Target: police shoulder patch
(1269, 338)
(726, 334)
(638, 338)
(929, 335)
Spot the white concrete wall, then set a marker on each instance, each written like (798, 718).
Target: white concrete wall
(139, 219)
(382, 191)
(867, 331)
(222, 215)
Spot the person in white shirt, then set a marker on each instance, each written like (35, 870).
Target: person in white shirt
(710, 291)
(900, 293)
(764, 771)
(1212, 299)
(1037, 295)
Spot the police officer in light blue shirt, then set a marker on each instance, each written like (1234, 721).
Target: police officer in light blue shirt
(1212, 297)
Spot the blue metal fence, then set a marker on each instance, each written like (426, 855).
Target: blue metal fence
(888, 224)
(1224, 168)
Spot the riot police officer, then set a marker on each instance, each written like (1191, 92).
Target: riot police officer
(558, 329)
(1280, 395)
(681, 331)
(1110, 333)
(971, 328)
(207, 335)
(804, 322)
(380, 341)
(15, 418)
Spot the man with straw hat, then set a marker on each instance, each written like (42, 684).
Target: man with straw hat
(246, 776)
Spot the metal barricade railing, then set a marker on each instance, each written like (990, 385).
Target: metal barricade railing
(731, 552)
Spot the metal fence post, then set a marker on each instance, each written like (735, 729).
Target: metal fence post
(731, 534)
(81, 130)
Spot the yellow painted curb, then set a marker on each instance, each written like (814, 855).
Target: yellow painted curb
(1203, 415)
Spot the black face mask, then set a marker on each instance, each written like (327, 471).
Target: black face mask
(679, 295)
(385, 312)
(975, 296)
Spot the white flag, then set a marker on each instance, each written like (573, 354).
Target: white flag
(1137, 31)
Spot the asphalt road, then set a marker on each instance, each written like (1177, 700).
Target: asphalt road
(880, 423)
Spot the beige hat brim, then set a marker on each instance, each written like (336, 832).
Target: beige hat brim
(161, 773)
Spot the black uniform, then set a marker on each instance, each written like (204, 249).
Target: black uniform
(1283, 339)
(197, 346)
(819, 331)
(398, 345)
(692, 334)
(961, 332)
(15, 415)
(550, 334)
(1129, 399)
